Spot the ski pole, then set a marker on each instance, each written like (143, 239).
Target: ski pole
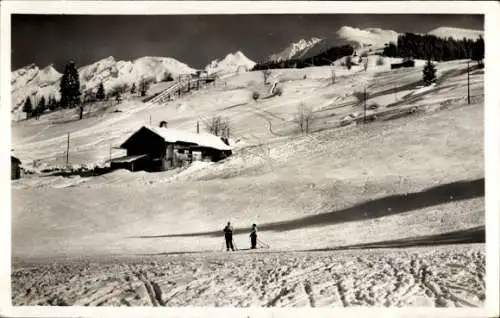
(262, 243)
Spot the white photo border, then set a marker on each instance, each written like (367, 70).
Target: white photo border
(491, 11)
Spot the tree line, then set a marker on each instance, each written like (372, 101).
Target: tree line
(416, 46)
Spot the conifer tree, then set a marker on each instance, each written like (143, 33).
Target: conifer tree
(101, 94)
(478, 51)
(133, 89)
(28, 107)
(40, 109)
(70, 86)
(429, 73)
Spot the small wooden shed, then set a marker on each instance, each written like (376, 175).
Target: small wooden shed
(161, 148)
(15, 168)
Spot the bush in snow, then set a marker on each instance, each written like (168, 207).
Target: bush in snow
(429, 73)
(219, 126)
(255, 95)
(304, 118)
(348, 62)
(167, 77)
(133, 89)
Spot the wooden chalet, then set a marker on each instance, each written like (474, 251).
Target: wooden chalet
(15, 168)
(160, 148)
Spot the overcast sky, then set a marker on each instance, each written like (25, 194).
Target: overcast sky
(195, 40)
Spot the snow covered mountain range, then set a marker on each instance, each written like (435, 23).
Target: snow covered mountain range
(35, 82)
(31, 81)
(361, 40)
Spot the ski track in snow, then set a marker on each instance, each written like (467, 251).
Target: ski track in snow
(441, 276)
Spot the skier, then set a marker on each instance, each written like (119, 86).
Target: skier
(253, 237)
(228, 235)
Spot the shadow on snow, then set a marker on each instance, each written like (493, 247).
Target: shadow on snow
(471, 235)
(377, 208)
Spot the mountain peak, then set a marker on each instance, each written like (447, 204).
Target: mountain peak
(232, 62)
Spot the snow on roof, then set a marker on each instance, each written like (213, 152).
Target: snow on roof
(201, 139)
(127, 158)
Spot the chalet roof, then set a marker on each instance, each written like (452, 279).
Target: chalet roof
(202, 139)
(14, 160)
(127, 159)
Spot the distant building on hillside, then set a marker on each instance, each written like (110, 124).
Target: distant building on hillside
(160, 148)
(406, 63)
(15, 168)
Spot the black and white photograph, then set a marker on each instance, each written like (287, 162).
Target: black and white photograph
(312, 160)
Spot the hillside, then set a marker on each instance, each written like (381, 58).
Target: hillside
(334, 187)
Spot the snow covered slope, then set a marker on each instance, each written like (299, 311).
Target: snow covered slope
(232, 63)
(456, 33)
(295, 187)
(31, 81)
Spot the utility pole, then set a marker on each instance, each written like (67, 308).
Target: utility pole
(110, 153)
(468, 83)
(364, 116)
(67, 152)
(150, 120)
(198, 127)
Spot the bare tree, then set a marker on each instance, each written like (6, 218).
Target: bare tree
(334, 76)
(219, 126)
(304, 118)
(266, 74)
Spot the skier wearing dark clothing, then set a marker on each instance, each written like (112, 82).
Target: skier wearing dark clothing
(253, 236)
(228, 235)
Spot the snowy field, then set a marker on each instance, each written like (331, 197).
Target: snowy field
(441, 277)
(403, 180)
